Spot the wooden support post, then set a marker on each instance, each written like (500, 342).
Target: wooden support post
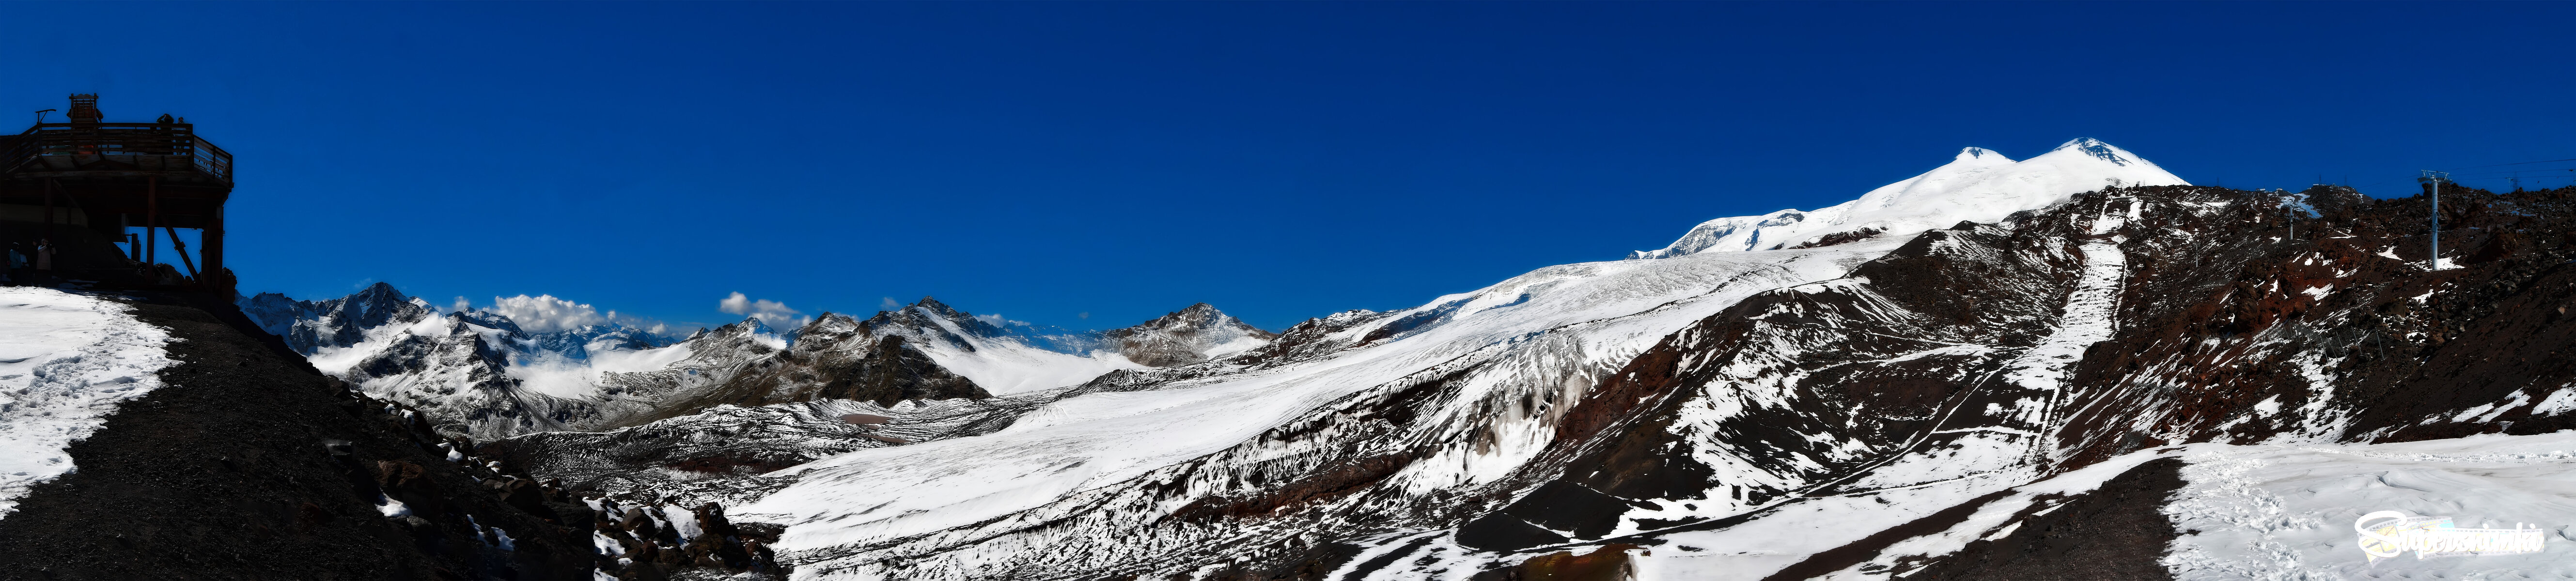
(181, 249)
(210, 243)
(151, 220)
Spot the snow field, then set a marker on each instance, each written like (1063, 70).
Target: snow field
(66, 361)
(2287, 512)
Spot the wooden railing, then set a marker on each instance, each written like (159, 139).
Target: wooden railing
(108, 140)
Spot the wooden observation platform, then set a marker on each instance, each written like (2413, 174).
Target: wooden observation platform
(105, 194)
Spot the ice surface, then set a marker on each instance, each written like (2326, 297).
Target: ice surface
(66, 361)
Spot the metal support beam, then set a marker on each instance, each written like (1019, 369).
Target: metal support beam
(152, 220)
(2433, 187)
(181, 249)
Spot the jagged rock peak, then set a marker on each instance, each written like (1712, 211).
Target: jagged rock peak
(928, 315)
(309, 326)
(933, 305)
(1199, 316)
(827, 324)
(747, 326)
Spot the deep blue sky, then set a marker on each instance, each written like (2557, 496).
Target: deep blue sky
(1279, 161)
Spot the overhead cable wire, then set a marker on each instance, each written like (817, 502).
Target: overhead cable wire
(2514, 163)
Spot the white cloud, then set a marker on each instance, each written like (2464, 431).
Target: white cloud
(889, 304)
(546, 314)
(772, 313)
(996, 320)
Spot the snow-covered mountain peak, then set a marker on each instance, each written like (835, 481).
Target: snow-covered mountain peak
(2098, 149)
(749, 329)
(310, 326)
(1978, 185)
(1197, 333)
(829, 324)
(1194, 317)
(477, 370)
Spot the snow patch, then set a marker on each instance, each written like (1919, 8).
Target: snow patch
(2559, 402)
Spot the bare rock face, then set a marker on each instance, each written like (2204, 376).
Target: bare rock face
(1195, 334)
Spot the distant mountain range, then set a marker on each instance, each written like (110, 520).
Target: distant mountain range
(482, 375)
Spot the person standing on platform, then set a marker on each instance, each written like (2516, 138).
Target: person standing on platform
(45, 259)
(14, 271)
